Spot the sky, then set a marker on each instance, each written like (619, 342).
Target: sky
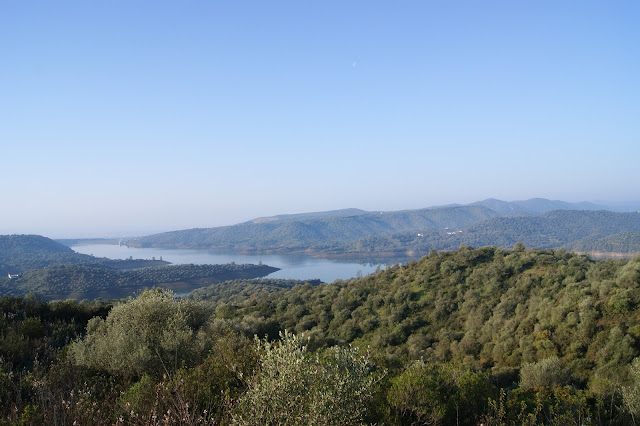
(141, 116)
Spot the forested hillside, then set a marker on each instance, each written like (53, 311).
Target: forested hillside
(48, 269)
(19, 253)
(486, 308)
(575, 230)
(415, 232)
(237, 291)
(472, 336)
(79, 281)
(534, 206)
(30, 245)
(308, 233)
(304, 216)
(23, 253)
(625, 242)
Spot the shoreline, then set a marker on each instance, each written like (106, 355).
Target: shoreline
(380, 255)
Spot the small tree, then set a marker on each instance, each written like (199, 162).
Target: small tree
(152, 334)
(631, 393)
(545, 373)
(295, 387)
(433, 394)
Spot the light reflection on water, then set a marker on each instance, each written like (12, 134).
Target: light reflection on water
(294, 266)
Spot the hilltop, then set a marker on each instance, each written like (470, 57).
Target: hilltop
(537, 222)
(534, 206)
(304, 216)
(35, 245)
(23, 253)
(303, 234)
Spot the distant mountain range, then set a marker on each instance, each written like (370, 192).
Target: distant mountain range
(306, 216)
(576, 230)
(323, 228)
(503, 208)
(534, 206)
(537, 222)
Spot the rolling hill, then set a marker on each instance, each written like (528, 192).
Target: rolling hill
(534, 206)
(571, 229)
(624, 242)
(24, 253)
(537, 222)
(51, 270)
(308, 233)
(305, 216)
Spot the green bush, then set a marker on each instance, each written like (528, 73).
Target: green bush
(546, 373)
(152, 334)
(294, 387)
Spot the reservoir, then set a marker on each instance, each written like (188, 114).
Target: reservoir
(292, 266)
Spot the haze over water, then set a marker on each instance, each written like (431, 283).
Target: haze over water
(296, 266)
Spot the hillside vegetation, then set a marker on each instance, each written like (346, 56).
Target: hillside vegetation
(415, 232)
(472, 336)
(313, 215)
(575, 230)
(484, 308)
(79, 281)
(625, 242)
(23, 253)
(534, 206)
(308, 233)
(51, 270)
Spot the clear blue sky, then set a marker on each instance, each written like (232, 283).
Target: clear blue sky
(130, 117)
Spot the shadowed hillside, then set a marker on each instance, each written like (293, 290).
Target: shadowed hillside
(24, 253)
(305, 234)
(536, 222)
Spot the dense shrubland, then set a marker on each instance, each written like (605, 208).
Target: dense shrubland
(625, 242)
(237, 291)
(486, 336)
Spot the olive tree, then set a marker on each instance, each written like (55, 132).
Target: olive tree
(152, 334)
(295, 387)
(548, 372)
(631, 392)
(433, 394)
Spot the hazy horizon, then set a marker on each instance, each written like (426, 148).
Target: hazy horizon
(115, 232)
(130, 118)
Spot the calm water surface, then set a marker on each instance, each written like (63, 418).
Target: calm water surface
(295, 266)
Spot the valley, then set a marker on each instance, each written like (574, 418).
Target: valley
(519, 329)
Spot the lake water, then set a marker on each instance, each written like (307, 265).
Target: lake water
(297, 266)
